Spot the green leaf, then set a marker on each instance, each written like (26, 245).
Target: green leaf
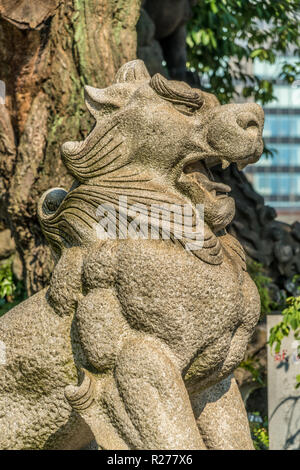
(225, 23)
(294, 323)
(256, 53)
(214, 7)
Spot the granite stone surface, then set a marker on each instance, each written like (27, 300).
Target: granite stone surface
(135, 340)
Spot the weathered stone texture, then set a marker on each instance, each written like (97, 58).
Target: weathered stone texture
(135, 340)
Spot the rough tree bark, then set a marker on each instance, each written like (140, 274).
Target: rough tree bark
(48, 50)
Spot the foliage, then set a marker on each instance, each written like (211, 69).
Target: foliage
(7, 285)
(224, 34)
(259, 431)
(252, 365)
(256, 271)
(290, 322)
(12, 291)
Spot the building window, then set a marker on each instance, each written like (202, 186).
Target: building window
(284, 155)
(282, 125)
(287, 97)
(281, 184)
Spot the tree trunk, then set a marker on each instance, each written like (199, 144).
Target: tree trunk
(48, 50)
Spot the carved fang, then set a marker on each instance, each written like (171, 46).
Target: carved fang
(225, 164)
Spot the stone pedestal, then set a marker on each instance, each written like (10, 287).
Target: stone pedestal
(283, 398)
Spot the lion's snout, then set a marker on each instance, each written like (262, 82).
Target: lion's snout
(236, 132)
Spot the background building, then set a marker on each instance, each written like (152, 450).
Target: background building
(278, 178)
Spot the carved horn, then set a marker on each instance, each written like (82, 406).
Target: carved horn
(133, 71)
(100, 101)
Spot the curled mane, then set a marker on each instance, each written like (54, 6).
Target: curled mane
(176, 92)
(98, 163)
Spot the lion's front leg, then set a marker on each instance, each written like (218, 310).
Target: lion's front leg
(222, 418)
(155, 397)
(88, 400)
(137, 398)
(142, 405)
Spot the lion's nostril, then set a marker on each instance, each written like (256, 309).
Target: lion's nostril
(248, 122)
(252, 124)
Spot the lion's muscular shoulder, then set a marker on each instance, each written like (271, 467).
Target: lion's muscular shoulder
(79, 270)
(65, 288)
(99, 265)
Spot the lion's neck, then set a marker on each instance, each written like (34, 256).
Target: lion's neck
(129, 195)
(168, 211)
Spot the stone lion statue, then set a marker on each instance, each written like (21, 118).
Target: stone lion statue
(134, 342)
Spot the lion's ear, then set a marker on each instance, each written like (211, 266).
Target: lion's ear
(133, 71)
(101, 101)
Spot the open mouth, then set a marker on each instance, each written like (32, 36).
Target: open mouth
(199, 172)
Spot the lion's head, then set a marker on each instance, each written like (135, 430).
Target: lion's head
(155, 137)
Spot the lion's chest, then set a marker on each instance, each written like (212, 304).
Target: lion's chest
(189, 304)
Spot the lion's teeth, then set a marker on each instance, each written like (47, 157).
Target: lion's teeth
(225, 164)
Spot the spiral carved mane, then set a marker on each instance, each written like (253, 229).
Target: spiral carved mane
(177, 92)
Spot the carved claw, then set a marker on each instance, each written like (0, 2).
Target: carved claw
(81, 397)
(85, 399)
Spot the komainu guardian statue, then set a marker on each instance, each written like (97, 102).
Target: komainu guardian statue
(134, 342)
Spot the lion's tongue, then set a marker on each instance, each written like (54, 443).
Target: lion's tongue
(206, 179)
(201, 174)
(212, 186)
